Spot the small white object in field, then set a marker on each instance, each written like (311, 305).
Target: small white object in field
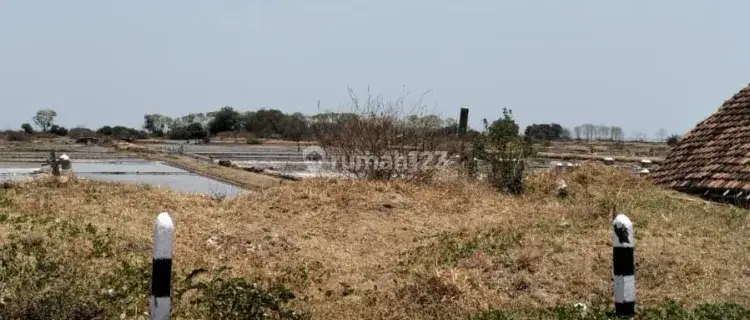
(212, 242)
(582, 307)
(608, 160)
(562, 188)
(557, 166)
(644, 171)
(64, 162)
(646, 161)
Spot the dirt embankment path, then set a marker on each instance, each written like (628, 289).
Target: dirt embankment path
(196, 164)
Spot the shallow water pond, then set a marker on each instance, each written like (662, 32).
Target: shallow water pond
(152, 173)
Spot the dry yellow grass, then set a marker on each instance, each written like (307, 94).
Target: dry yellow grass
(398, 250)
(570, 156)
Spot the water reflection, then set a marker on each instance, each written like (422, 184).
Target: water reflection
(152, 173)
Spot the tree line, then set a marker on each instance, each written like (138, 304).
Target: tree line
(275, 124)
(264, 123)
(591, 132)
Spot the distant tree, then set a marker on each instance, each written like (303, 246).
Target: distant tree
(187, 125)
(295, 127)
(617, 133)
(505, 126)
(188, 119)
(58, 130)
(27, 128)
(225, 120)
(203, 120)
(605, 133)
(157, 124)
(638, 136)
(128, 133)
(105, 130)
(505, 151)
(45, 118)
(661, 135)
(544, 132)
(588, 131)
(80, 132)
(122, 132)
(191, 131)
(673, 140)
(596, 132)
(567, 134)
(265, 123)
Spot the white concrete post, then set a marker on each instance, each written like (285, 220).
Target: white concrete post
(623, 264)
(161, 274)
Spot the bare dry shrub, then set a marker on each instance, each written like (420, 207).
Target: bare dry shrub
(17, 136)
(381, 140)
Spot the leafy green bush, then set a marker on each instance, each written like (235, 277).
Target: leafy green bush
(505, 151)
(239, 299)
(26, 127)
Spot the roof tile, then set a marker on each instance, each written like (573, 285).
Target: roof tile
(715, 153)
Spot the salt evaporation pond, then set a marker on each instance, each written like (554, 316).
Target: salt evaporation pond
(152, 173)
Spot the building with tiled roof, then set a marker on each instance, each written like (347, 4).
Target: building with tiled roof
(713, 157)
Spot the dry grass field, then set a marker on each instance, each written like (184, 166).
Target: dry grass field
(607, 148)
(329, 249)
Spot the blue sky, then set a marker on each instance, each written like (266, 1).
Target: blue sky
(642, 65)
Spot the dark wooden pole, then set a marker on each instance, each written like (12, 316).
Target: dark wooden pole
(463, 121)
(54, 163)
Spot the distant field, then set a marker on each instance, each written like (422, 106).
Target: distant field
(285, 157)
(607, 148)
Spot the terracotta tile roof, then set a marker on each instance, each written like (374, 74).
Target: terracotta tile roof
(715, 153)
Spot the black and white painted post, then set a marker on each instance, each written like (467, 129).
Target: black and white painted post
(161, 274)
(623, 264)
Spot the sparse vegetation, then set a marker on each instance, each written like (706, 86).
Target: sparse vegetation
(121, 132)
(505, 152)
(381, 140)
(58, 130)
(328, 249)
(17, 136)
(27, 128)
(45, 119)
(673, 140)
(546, 132)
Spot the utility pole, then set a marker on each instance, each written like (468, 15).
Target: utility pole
(466, 157)
(55, 163)
(463, 121)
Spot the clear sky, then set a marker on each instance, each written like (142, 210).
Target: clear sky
(639, 64)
